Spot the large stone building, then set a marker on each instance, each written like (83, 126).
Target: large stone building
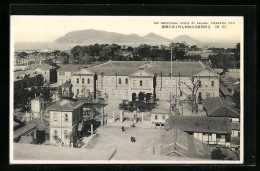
(126, 79)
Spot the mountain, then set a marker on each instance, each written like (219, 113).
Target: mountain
(187, 39)
(92, 36)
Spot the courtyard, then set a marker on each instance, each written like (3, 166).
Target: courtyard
(147, 146)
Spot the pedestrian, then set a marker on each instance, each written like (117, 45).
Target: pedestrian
(123, 129)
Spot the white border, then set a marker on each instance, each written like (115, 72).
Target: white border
(12, 161)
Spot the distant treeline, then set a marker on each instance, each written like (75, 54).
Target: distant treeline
(104, 52)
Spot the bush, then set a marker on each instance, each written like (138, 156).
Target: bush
(217, 154)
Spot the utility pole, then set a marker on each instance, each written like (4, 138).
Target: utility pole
(171, 86)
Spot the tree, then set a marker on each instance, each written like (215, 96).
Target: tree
(217, 154)
(22, 56)
(141, 96)
(193, 87)
(179, 50)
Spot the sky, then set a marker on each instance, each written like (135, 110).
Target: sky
(49, 28)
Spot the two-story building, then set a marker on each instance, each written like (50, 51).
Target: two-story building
(65, 117)
(65, 72)
(125, 79)
(83, 82)
(48, 72)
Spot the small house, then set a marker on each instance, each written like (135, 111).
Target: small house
(158, 117)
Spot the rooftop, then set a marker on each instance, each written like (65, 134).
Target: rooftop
(24, 129)
(216, 108)
(126, 68)
(71, 68)
(45, 67)
(65, 105)
(31, 67)
(200, 124)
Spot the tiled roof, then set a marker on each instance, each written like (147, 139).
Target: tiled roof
(23, 130)
(126, 68)
(216, 108)
(71, 68)
(160, 111)
(65, 105)
(45, 67)
(123, 68)
(31, 67)
(200, 124)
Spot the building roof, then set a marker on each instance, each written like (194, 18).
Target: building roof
(65, 105)
(126, 68)
(160, 111)
(71, 68)
(18, 75)
(31, 67)
(24, 129)
(45, 67)
(38, 98)
(200, 124)
(216, 108)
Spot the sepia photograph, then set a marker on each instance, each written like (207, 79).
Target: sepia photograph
(126, 90)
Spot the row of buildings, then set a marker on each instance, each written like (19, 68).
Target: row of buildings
(126, 79)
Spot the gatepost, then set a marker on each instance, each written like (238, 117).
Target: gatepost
(142, 116)
(121, 116)
(91, 129)
(135, 117)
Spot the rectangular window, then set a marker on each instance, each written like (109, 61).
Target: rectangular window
(126, 92)
(77, 91)
(113, 81)
(156, 117)
(163, 117)
(141, 83)
(66, 117)
(88, 81)
(113, 91)
(77, 80)
(180, 93)
(126, 81)
(199, 83)
(146, 83)
(55, 117)
(119, 81)
(206, 83)
(83, 80)
(173, 82)
(55, 133)
(212, 83)
(218, 135)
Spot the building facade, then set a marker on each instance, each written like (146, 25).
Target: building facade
(65, 117)
(121, 80)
